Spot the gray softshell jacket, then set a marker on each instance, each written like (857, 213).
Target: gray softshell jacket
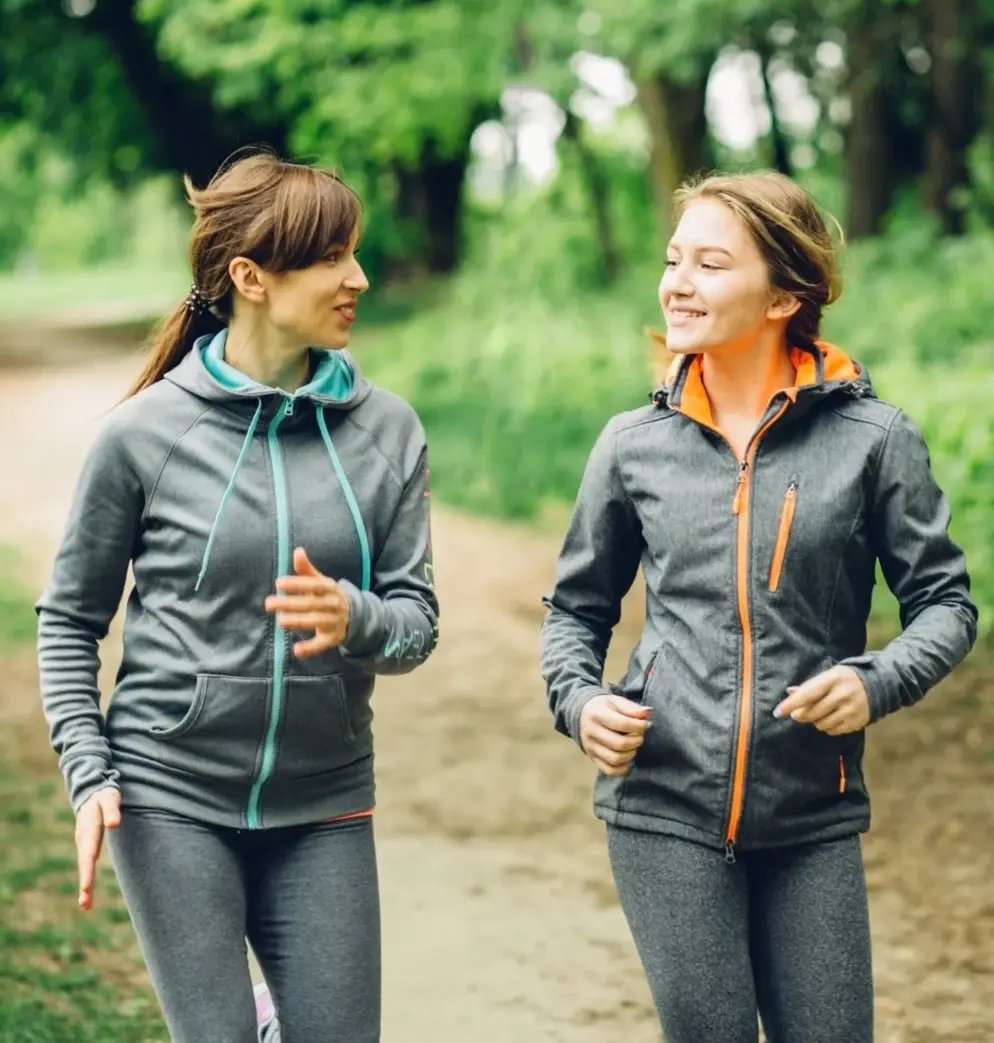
(758, 575)
(204, 483)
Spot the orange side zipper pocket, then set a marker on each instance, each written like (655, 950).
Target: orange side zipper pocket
(842, 774)
(783, 534)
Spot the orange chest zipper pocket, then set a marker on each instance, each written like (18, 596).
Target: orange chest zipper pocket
(783, 534)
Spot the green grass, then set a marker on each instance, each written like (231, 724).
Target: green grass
(26, 296)
(17, 618)
(64, 975)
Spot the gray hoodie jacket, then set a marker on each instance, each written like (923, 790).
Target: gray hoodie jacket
(758, 575)
(204, 483)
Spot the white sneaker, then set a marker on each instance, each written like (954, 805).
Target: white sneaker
(265, 1014)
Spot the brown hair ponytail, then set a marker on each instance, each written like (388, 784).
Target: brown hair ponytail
(281, 215)
(171, 340)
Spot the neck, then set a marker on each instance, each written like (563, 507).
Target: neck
(741, 380)
(266, 356)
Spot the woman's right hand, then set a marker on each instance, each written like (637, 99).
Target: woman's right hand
(99, 812)
(612, 729)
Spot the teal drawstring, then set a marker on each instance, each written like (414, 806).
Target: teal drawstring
(350, 499)
(227, 492)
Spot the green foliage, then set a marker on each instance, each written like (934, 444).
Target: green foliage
(363, 82)
(62, 81)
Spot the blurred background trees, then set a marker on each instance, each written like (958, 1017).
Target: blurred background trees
(890, 96)
(516, 161)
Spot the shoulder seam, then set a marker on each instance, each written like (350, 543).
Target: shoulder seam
(882, 425)
(653, 418)
(391, 467)
(165, 460)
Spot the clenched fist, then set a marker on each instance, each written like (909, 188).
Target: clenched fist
(612, 729)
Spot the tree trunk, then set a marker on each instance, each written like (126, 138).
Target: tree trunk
(442, 181)
(429, 198)
(598, 192)
(955, 113)
(870, 172)
(191, 134)
(677, 125)
(778, 140)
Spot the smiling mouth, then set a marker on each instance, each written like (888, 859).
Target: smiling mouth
(347, 311)
(684, 313)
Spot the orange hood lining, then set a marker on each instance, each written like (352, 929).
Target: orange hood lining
(694, 401)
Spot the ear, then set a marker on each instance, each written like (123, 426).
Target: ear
(248, 279)
(783, 306)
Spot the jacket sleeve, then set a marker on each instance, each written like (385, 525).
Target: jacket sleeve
(393, 627)
(75, 610)
(925, 570)
(597, 565)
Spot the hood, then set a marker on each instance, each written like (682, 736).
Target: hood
(335, 382)
(816, 375)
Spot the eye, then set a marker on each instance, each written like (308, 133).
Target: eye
(711, 267)
(670, 263)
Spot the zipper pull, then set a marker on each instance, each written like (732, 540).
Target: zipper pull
(288, 410)
(730, 853)
(743, 473)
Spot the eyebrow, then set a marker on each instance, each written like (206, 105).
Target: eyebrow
(704, 250)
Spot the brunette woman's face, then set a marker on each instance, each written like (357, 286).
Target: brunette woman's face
(316, 306)
(715, 292)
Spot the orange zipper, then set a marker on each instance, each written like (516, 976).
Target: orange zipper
(842, 775)
(783, 535)
(740, 507)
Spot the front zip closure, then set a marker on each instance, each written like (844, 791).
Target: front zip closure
(279, 637)
(741, 509)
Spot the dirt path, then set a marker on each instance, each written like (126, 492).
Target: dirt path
(499, 916)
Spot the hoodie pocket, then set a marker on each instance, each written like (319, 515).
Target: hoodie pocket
(319, 733)
(222, 730)
(783, 535)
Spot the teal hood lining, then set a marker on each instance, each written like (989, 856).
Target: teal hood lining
(333, 377)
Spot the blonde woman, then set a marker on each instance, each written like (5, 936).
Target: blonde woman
(757, 492)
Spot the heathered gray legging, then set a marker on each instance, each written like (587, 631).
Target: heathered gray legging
(782, 933)
(306, 897)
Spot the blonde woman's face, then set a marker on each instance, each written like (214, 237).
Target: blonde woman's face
(715, 291)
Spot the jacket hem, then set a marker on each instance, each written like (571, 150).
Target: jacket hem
(685, 831)
(274, 813)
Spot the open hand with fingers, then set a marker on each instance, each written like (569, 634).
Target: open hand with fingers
(612, 729)
(834, 701)
(309, 600)
(100, 812)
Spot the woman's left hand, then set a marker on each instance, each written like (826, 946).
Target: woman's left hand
(834, 701)
(310, 601)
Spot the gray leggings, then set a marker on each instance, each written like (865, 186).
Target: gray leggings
(782, 933)
(305, 897)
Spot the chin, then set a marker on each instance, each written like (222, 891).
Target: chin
(331, 342)
(679, 346)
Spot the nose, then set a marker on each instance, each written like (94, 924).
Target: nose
(356, 280)
(675, 281)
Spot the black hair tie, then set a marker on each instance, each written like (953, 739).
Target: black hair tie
(197, 301)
